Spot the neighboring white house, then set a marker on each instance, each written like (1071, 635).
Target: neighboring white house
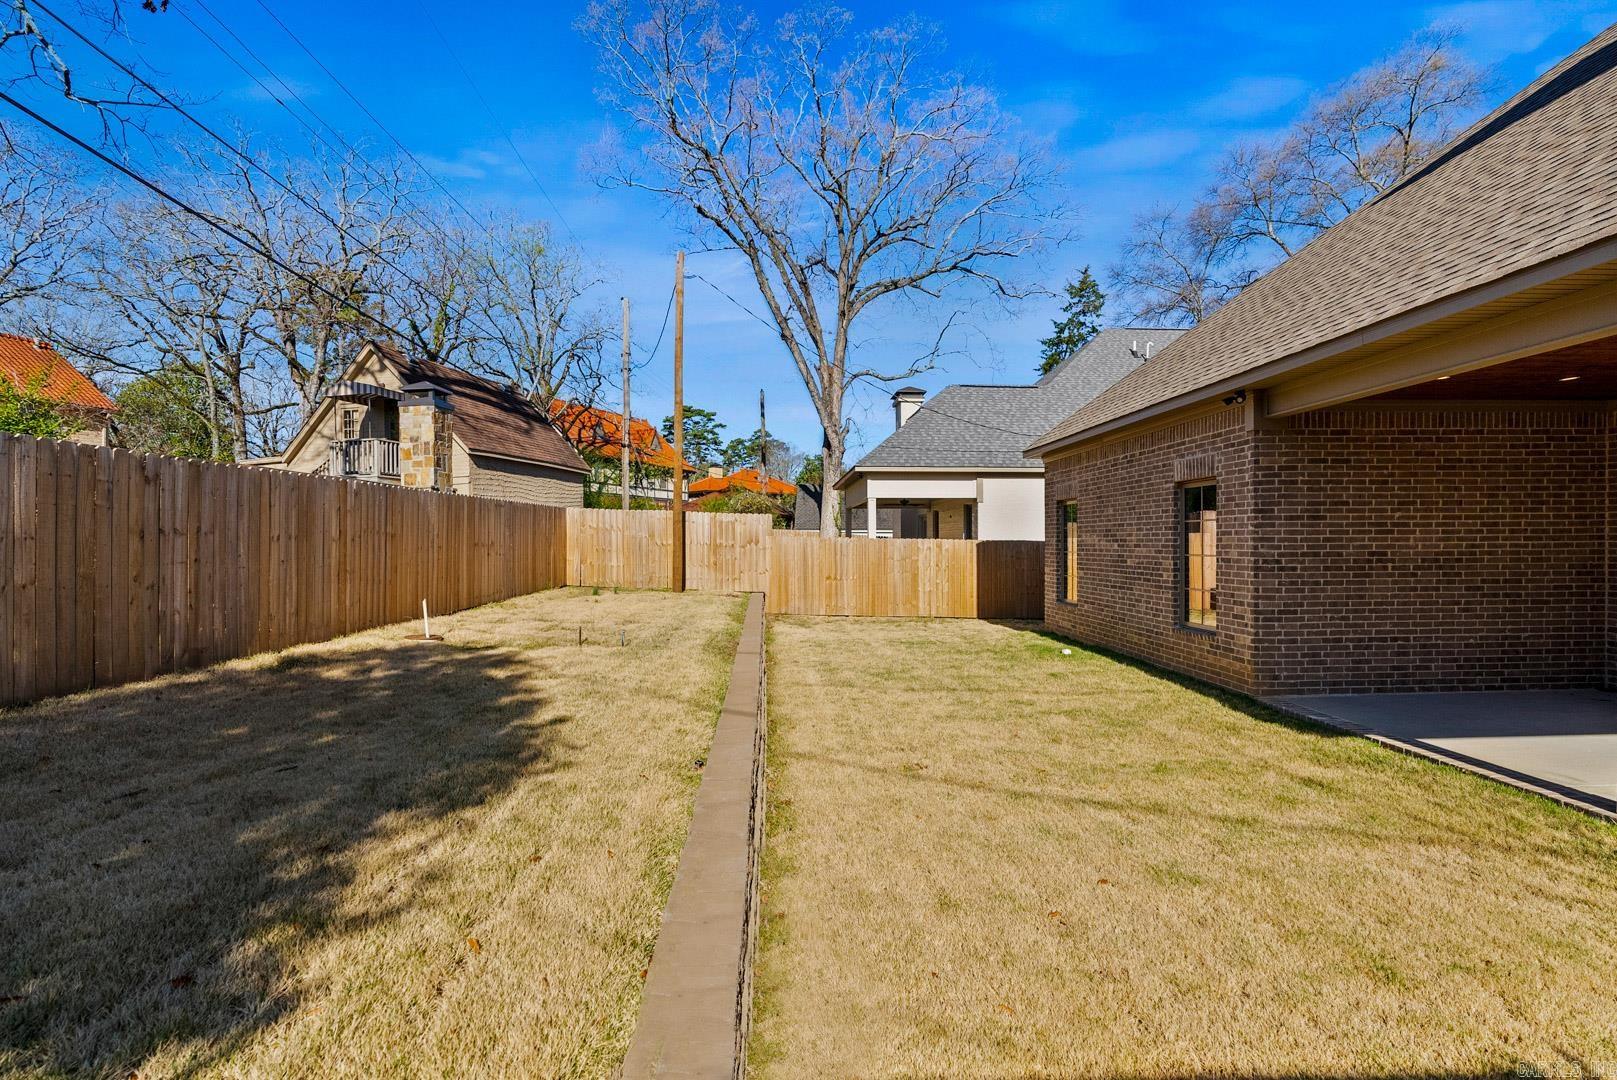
(954, 467)
(395, 419)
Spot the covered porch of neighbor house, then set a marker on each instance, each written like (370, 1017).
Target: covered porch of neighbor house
(366, 445)
(911, 507)
(944, 505)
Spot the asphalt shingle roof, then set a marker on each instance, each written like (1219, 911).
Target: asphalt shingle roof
(490, 418)
(988, 427)
(1534, 180)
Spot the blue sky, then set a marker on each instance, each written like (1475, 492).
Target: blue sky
(1137, 101)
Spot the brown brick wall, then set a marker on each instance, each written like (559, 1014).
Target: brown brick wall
(1448, 548)
(1128, 536)
(1368, 547)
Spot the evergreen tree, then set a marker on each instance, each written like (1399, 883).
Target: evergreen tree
(166, 412)
(1082, 322)
(703, 443)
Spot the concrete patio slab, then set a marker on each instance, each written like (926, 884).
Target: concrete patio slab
(1562, 743)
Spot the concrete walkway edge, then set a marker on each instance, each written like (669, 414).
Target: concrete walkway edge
(1415, 748)
(698, 996)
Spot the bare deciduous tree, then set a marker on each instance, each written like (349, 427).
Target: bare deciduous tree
(432, 291)
(542, 337)
(331, 253)
(1173, 266)
(186, 299)
(46, 219)
(1270, 198)
(846, 168)
(46, 50)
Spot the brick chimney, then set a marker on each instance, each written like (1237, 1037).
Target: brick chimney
(906, 403)
(426, 422)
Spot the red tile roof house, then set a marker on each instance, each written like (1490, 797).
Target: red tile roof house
(717, 483)
(400, 420)
(27, 361)
(597, 433)
(1388, 464)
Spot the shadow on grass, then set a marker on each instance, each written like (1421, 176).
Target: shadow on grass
(169, 849)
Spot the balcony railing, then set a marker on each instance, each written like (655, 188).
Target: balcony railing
(373, 459)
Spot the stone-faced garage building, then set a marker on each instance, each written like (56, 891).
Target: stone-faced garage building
(1388, 464)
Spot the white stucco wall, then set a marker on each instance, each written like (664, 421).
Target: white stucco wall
(1010, 508)
(1004, 507)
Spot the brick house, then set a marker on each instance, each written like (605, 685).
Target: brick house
(1388, 464)
(396, 419)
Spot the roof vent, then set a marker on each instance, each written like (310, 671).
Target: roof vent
(1148, 346)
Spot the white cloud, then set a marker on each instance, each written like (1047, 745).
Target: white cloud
(471, 163)
(1086, 27)
(271, 89)
(1493, 29)
(1138, 151)
(1250, 97)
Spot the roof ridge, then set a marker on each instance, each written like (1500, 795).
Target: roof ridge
(1518, 188)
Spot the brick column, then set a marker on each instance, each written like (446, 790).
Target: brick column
(425, 436)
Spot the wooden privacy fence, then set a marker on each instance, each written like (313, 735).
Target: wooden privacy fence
(806, 574)
(117, 566)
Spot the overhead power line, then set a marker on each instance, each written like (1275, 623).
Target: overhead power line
(652, 355)
(332, 75)
(277, 98)
(426, 13)
(206, 219)
(771, 327)
(252, 163)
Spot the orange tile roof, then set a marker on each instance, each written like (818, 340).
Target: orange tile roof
(742, 478)
(601, 430)
(25, 360)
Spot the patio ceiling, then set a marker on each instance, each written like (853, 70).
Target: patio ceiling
(1586, 372)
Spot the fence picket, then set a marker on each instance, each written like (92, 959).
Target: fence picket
(116, 566)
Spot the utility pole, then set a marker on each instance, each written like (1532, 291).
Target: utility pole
(763, 445)
(677, 577)
(623, 464)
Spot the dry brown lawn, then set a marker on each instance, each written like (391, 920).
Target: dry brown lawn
(361, 858)
(989, 859)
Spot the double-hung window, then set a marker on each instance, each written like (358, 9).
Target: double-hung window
(1198, 553)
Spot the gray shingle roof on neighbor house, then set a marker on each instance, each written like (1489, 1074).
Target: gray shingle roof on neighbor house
(976, 427)
(1532, 181)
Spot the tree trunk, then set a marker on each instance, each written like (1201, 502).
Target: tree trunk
(831, 449)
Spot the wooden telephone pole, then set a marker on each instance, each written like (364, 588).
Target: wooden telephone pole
(677, 577)
(623, 464)
(763, 445)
